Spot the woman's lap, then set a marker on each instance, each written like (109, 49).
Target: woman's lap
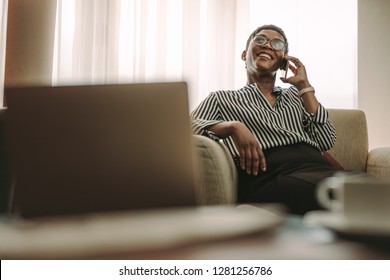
(291, 178)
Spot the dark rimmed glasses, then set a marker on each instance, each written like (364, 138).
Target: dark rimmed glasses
(275, 43)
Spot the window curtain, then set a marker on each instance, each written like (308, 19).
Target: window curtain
(111, 41)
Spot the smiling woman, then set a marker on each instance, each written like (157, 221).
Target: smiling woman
(275, 135)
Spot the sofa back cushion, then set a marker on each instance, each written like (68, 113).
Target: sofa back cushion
(351, 148)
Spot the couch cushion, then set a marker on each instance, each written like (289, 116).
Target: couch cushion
(351, 148)
(378, 162)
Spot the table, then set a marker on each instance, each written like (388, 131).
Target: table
(291, 240)
(204, 233)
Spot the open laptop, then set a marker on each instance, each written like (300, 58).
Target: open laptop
(80, 149)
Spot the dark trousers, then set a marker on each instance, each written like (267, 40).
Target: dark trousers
(291, 178)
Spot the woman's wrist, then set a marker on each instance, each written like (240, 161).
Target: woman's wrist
(232, 127)
(224, 129)
(303, 85)
(306, 90)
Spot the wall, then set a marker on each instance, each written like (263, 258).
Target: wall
(374, 68)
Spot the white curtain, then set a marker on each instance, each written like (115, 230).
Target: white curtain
(200, 41)
(109, 41)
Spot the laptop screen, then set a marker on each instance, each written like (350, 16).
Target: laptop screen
(78, 149)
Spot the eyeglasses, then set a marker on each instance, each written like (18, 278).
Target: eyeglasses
(276, 44)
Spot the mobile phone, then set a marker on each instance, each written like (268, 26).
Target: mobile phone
(284, 68)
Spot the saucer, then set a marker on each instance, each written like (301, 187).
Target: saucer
(343, 225)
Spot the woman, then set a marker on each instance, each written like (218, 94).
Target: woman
(275, 135)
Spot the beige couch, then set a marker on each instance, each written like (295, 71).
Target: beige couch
(218, 176)
(217, 173)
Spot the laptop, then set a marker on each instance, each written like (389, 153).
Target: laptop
(98, 148)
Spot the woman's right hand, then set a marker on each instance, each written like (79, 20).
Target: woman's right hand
(251, 154)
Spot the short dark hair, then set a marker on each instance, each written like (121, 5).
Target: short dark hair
(268, 27)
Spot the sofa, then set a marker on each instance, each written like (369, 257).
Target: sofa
(218, 175)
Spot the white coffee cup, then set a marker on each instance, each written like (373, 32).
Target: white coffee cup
(357, 197)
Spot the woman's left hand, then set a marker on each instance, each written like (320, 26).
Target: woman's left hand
(299, 78)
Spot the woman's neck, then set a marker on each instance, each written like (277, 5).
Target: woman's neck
(266, 84)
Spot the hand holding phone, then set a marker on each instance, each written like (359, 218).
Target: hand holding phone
(298, 71)
(284, 68)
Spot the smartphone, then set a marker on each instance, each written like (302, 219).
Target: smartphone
(284, 68)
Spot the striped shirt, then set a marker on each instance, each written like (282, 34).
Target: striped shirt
(286, 123)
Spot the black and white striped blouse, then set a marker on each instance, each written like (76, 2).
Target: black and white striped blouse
(284, 124)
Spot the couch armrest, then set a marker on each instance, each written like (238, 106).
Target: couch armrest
(217, 174)
(378, 162)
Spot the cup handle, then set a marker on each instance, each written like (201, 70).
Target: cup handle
(323, 191)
